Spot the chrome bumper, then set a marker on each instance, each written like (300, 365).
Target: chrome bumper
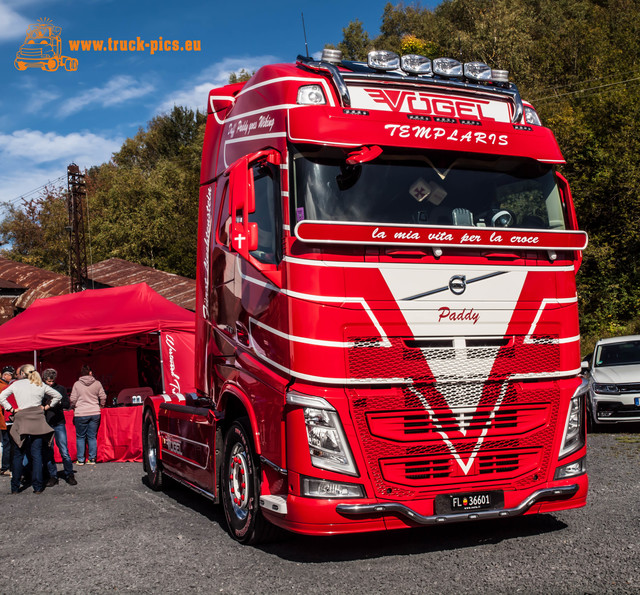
(560, 493)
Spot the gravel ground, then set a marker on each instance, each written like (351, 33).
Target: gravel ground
(112, 533)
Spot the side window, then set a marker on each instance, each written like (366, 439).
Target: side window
(267, 213)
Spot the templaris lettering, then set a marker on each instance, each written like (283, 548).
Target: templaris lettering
(437, 132)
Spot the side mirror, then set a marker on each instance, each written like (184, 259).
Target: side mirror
(244, 235)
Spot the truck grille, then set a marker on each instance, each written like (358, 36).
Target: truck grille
(415, 442)
(372, 358)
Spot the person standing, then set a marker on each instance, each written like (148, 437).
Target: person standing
(87, 398)
(6, 378)
(30, 429)
(55, 418)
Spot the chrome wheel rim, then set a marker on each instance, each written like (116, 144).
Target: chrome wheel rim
(151, 449)
(238, 477)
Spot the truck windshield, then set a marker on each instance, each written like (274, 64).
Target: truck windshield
(441, 189)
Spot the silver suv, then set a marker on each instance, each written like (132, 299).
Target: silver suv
(614, 380)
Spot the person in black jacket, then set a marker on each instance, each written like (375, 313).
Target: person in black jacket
(55, 418)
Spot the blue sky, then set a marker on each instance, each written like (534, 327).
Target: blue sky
(49, 119)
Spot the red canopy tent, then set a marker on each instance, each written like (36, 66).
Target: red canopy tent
(131, 336)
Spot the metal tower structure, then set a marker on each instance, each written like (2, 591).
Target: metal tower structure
(76, 197)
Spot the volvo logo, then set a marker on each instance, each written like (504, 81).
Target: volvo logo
(458, 284)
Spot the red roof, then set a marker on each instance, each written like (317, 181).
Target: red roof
(93, 315)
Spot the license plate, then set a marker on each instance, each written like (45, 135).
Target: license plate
(469, 502)
(637, 401)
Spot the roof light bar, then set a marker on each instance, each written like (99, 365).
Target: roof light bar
(383, 60)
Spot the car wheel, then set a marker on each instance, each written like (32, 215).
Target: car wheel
(240, 487)
(152, 464)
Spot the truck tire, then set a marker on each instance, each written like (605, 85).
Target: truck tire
(150, 452)
(240, 486)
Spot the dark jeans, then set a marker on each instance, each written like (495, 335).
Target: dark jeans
(60, 435)
(6, 450)
(32, 447)
(87, 430)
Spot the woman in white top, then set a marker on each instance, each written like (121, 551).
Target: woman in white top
(30, 428)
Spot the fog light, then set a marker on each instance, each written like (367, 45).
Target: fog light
(321, 488)
(571, 469)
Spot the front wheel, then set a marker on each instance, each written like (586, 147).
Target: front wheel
(150, 452)
(241, 488)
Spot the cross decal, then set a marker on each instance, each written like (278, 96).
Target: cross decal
(239, 239)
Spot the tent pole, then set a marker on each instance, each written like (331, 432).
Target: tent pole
(35, 359)
(161, 361)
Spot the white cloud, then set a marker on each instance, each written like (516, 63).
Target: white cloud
(117, 90)
(37, 147)
(12, 25)
(195, 96)
(31, 158)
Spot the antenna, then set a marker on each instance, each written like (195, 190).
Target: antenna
(304, 31)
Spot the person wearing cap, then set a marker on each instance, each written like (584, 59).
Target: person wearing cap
(6, 378)
(30, 429)
(55, 418)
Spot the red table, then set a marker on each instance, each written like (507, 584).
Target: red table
(119, 435)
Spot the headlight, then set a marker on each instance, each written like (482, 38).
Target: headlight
(574, 426)
(328, 445)
(531, 116)
(311, 95)
(605, 389)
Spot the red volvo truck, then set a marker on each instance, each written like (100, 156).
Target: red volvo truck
(387, 322)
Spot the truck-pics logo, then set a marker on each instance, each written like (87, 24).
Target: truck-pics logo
(42, 48)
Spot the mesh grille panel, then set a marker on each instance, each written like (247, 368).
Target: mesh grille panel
(423, 361)
(400, 430)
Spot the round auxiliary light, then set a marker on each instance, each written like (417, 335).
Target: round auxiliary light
(447, 67)
(499, 76)
(477, 71)
(383, 60)
(332, 56)
(415, 64)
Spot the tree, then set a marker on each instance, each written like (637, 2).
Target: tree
(356, 43)
(35, 232)
(240, 77)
